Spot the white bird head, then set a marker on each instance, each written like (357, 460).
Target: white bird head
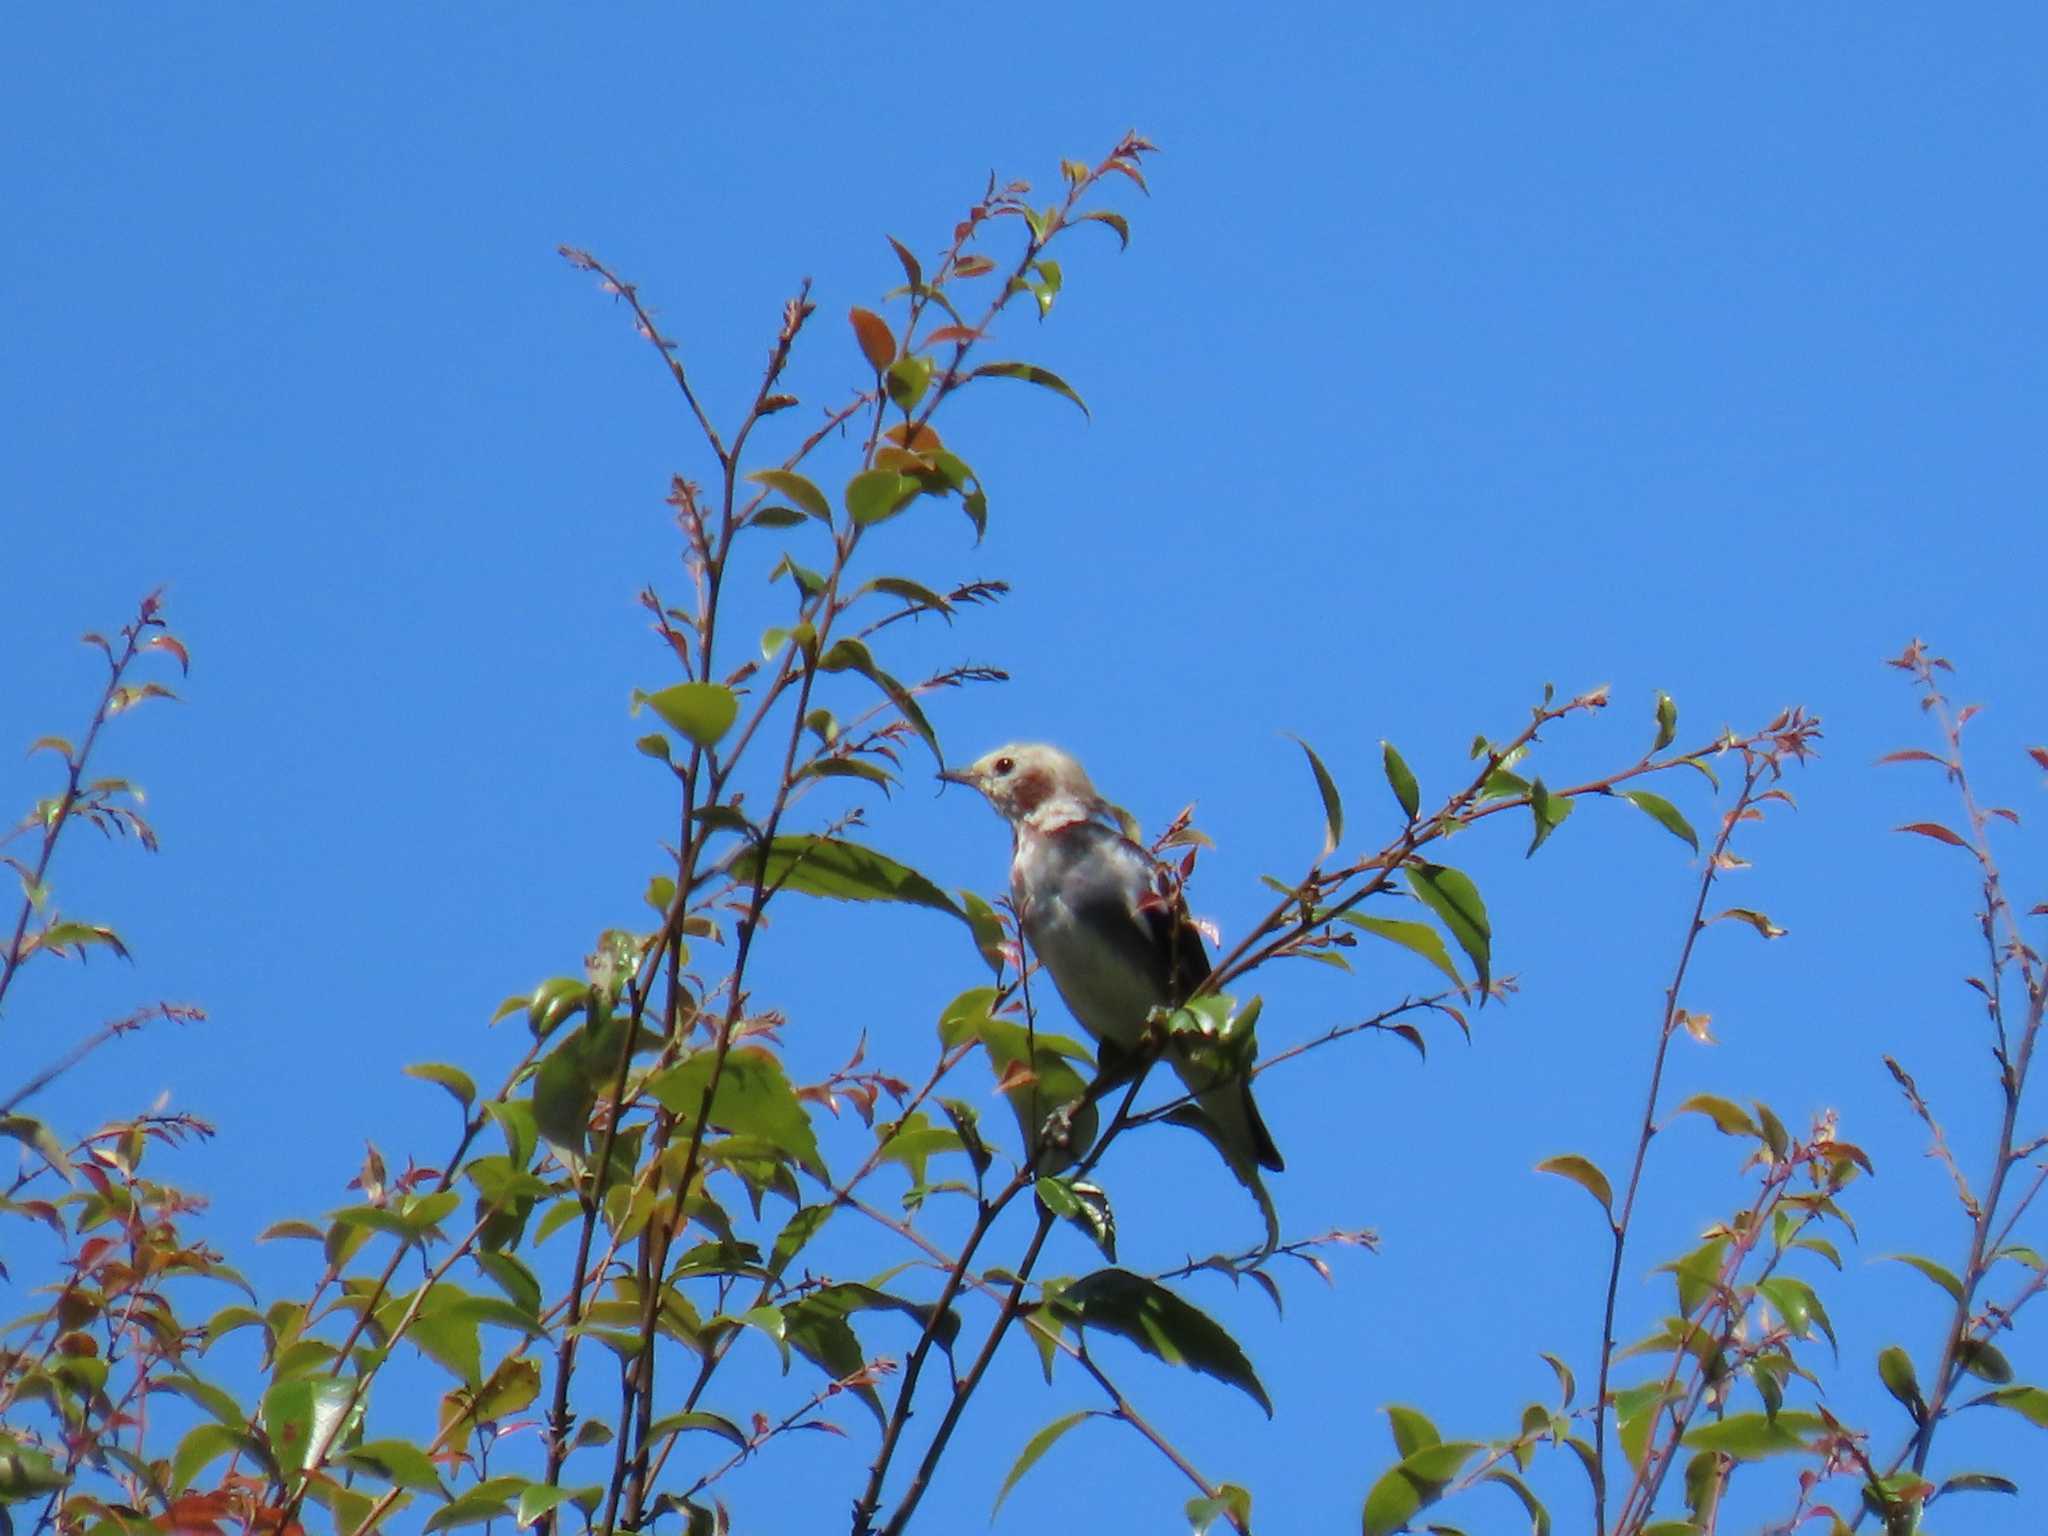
(1032, 785)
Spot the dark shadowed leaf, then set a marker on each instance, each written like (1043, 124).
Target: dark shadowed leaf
(1162, 1324)
(1976, 1482)
(825, 866)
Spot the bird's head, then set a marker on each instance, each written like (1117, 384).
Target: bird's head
(1032, 785)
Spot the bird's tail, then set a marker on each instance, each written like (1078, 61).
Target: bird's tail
(1235, 1114)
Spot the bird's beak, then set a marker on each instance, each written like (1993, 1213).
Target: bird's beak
(958, 776)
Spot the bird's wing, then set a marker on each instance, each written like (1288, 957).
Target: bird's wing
(1126, 888)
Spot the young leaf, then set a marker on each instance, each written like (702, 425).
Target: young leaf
(799, 490)
(875, 495)
(1935, 830)
(1549, 811)
(1401, 780)
(877, 342)
(1036, 1447)
(703, 712)
(1729, 1118)
(1667, 722)
(454, 1079)
(1333, 805)
(1582, 1172)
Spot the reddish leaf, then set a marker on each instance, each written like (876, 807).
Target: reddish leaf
(1935, 830)
(877, 341)
(2039, 755)
(1911, 755)
(972, 266)
(176, 647)
(961, 334)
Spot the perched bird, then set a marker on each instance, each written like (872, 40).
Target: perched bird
(1105, 921)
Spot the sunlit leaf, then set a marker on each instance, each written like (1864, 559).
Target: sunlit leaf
(798, 489)
(877, 341)
(1664, 813)
(1030, 373)
(1036, 1447)
(703, 712)
(1451, 895)
(1583, 1172)
(1333, 805)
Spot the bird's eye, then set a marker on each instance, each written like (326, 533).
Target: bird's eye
(1005, 765)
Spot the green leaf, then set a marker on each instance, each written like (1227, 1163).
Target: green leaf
(398, 1462)
(907, 380)
(1229, 1501)
(1982, 1359)
(1333, 805)
(1567, 1384)
(1895, 1370)
(1748, 1436)
(1582, 1172)
(1539, 1517)
(1451, 895)
(841, 871)
(1976, 1482)
(1667, 722)
(202, 1446)
(1933, 1271)
(1729, 1118)
(1418, 937)
(1391, 1503)
(875, 495)
(1030, 373)
(1549, 812)
(1664, 813)
(1036, 1447)
(454, 1079)
(1401, 780)
(753, 1098)
(1412, 1430)
(2030, 1403)
(1115, 221)
(1084, 1205)
(303, 1418)
(1163, 1325)
(799, 490)
(703, 712)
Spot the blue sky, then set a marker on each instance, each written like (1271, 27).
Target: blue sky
(1459, 349)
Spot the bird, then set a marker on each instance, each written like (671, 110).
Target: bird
(1106, 921)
